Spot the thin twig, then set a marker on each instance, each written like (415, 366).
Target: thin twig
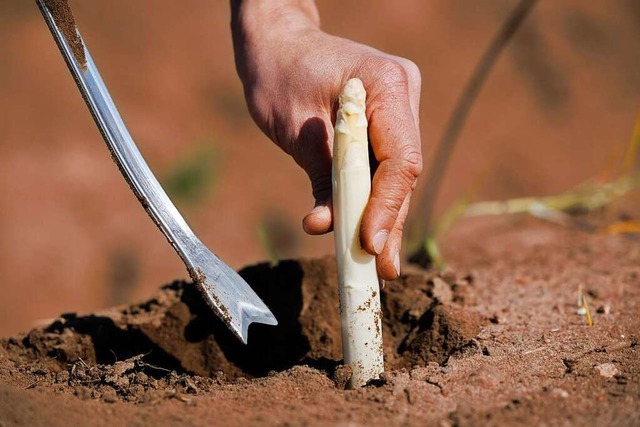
(444, 149)
(587, 197)
(144, 364)
(149, 365)
(631, 154)
(83, 362)
(535, 350)
(32, 385)
(585, 304)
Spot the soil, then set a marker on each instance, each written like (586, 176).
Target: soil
(63, 17)
(494, 340)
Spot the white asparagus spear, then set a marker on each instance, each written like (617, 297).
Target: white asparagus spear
(357, 276)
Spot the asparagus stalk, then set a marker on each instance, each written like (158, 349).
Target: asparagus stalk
(357, 276)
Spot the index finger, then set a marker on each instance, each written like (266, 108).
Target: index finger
(395, 141)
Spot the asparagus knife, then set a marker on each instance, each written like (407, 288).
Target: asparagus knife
(228, 295)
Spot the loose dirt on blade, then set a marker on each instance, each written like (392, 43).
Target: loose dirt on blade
(63, 16)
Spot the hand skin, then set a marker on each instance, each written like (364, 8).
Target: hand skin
(292, 74)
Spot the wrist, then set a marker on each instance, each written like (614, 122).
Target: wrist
(255, 15)
(259, 26)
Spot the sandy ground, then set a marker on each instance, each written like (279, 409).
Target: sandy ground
(495, 340)
(557, 109)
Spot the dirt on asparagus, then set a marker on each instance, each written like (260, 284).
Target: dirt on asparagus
(495, 341)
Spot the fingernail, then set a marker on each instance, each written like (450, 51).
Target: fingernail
(379, 240)
(396, 263)
(381, 283)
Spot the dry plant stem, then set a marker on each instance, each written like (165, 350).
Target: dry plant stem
(420, 227)
(587, 312)
(631, 155)
(587, 197)
(357, 276)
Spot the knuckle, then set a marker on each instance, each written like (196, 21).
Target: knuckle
(394, 75)
(389, 206)
(412, 70)
(320, 186)
(411, 163)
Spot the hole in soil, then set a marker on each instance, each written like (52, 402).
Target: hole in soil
(111, 344)
(176, 331)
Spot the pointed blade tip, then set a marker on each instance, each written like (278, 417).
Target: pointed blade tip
(266, 318)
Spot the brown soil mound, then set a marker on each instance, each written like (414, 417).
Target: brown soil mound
(160, 343)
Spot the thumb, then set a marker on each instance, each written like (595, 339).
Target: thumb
(311, 151)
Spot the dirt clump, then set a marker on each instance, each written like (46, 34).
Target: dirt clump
(419, 328)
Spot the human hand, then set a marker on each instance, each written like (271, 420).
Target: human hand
(292, 74)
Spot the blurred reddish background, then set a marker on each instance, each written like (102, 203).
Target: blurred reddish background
(557, 109)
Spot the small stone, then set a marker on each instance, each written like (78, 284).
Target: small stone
(110, 396)
(141, 377)
(604, 309)
(449, 276)
(521, 280)
(419, 373)
(582, 311)
(342, 375)
(442, 291)
(484, 334)
(242, 381)
(62, 377)
(558, 392)
(82, 392)
(190, 386)
(607, 370)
